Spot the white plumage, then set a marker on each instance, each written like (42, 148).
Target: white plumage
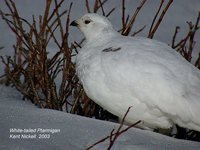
(118, 72)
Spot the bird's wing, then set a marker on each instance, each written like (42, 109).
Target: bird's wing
(153, 72)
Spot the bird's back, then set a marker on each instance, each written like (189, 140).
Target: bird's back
(146, 72)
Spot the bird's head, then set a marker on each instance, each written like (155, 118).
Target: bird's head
(92, 25)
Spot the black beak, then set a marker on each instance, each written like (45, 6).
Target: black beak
(74, 23)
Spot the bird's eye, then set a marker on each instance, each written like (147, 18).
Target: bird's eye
(87, 21)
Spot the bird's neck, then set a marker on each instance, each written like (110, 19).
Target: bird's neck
(101, 36)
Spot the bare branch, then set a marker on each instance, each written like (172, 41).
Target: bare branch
(128, 28)
(152, 32)
(113, 136)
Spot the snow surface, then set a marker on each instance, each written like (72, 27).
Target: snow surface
(76, 132)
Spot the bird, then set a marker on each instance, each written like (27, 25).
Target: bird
(118, 72)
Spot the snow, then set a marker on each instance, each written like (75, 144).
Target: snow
(118, 72)
(76, 132)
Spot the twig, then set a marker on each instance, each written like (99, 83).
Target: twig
(102, 9)
(140, 30)
(110, 12)
(186, 45)
(154, 19)
(113, 136)
(128, 28)
(87, 6)
(152, 32)
(123, 15)
(174, 36)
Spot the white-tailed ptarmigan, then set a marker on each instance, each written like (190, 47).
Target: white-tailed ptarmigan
(118, 72)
